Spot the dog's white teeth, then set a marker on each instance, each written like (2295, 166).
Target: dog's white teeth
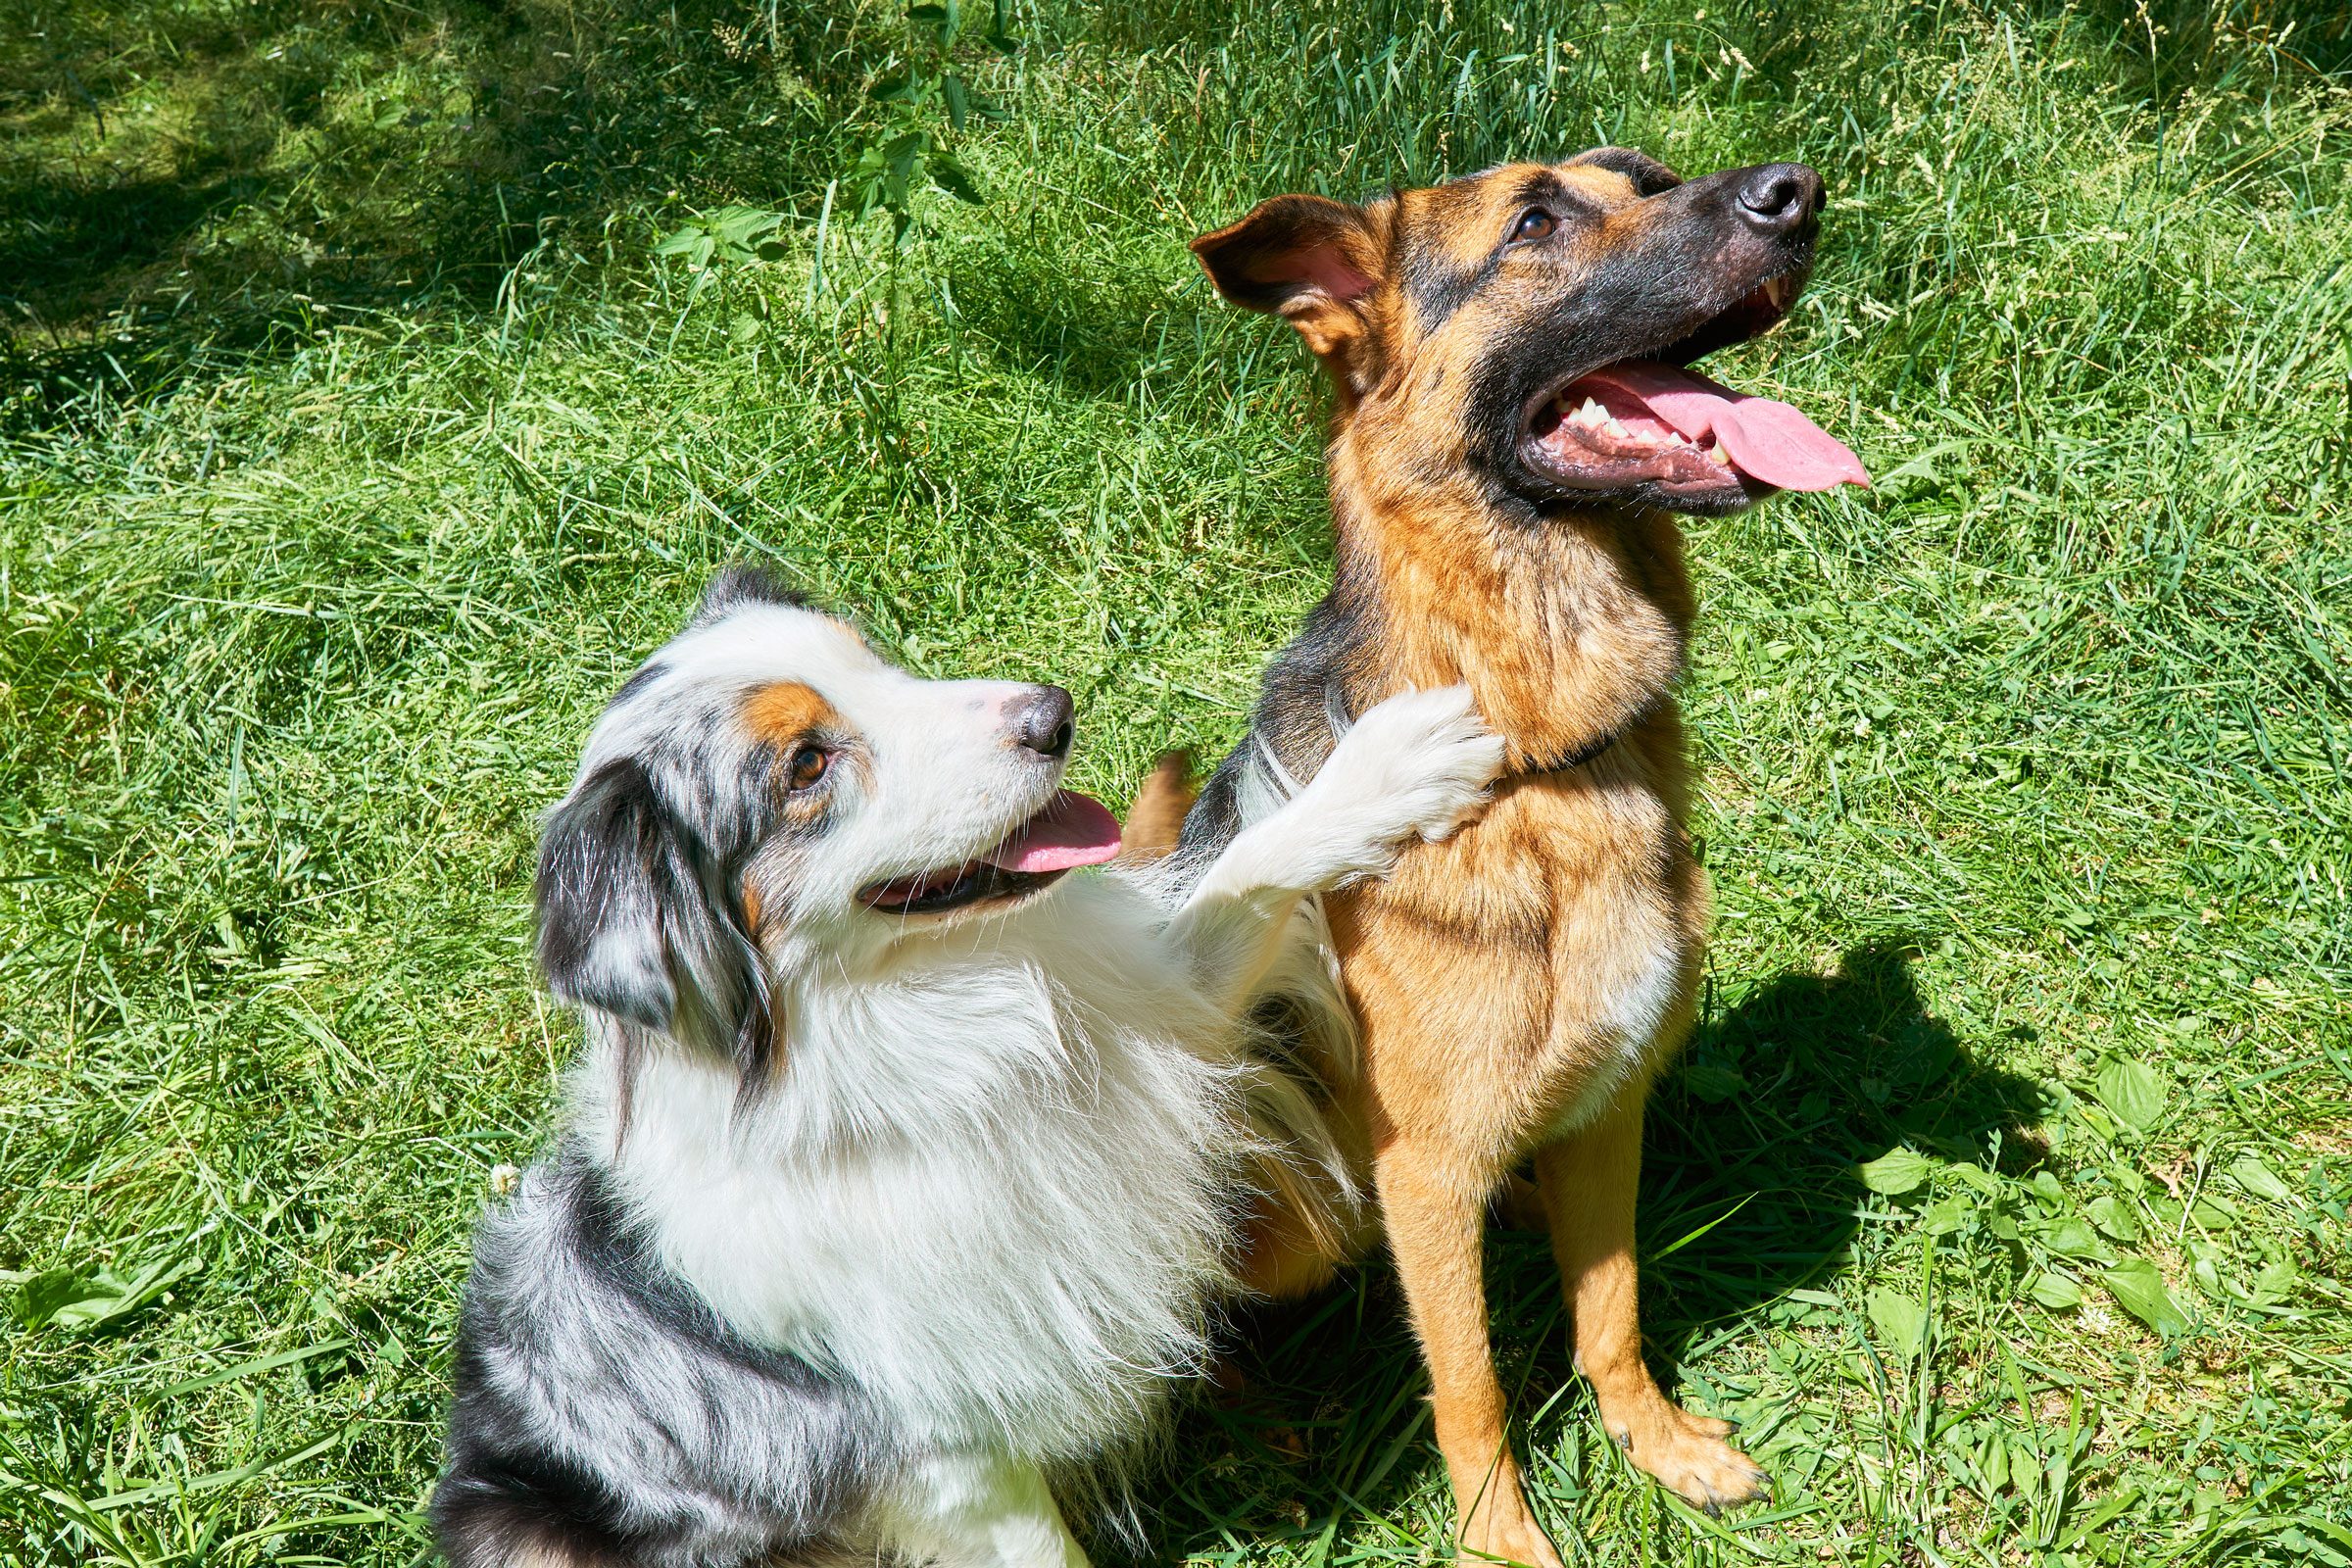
(1717, 455)
(1590, 415)
(1614, 429)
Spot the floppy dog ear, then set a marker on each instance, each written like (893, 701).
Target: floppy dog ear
(1307, 258)
(627, 925)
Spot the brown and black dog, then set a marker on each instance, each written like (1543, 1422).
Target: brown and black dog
(1511, 437)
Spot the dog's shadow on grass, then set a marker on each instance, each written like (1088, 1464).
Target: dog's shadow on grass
(1749, 1191)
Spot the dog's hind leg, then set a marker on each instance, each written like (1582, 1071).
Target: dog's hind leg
(1518, 1205)
(1157, 817)
(1589, 1182)
(1436, 1214)
(971, 1510)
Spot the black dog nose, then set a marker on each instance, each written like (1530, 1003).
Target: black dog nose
(1041, 721)
(1779, 197)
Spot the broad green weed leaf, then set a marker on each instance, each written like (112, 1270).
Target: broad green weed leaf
(2113, 1215)
(1898, 1171)
(1948, 1214)
(2277, 1282)
(2072, 1237)
(1995, 1463)
(39, 1300)
(1713, 1082)
(69, 1298)
(2056, 1292)
(2256, 1177)
(2132, 1092)
(1899, 1320)
(953, 178)
(2135, 1283)
(1983, 1181)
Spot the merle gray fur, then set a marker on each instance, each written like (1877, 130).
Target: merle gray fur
(575, 1338)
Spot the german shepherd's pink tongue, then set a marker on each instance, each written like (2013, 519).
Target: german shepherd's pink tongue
(1765, 438)
(1072, 830)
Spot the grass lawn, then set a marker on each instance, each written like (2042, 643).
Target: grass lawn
(355, 439)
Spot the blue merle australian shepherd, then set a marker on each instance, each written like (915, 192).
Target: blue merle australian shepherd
(901, 1172)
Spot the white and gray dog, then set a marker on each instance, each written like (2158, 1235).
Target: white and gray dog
(900, 1175)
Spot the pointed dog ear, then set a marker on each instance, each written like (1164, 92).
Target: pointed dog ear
(627, 925)
(1643, 173)
(1307, 258)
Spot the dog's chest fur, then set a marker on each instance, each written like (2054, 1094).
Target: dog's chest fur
(1534, 958)
(990, 1201)
(1534, 955)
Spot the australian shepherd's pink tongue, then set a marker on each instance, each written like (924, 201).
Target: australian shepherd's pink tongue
(1767, 439)
(1072, 830)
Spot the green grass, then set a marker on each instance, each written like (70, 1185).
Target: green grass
(354, 443)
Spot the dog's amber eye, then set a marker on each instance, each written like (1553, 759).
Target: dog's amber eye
(1534, 223)
(808, 764)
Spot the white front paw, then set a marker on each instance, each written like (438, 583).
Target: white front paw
(1417, 765)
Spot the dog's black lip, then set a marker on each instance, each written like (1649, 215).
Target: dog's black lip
(974, 882)
(1670, 351)
(1530, 453)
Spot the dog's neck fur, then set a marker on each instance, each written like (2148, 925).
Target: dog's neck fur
(1568, 627)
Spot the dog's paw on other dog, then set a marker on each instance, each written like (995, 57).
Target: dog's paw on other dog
(903, 1168)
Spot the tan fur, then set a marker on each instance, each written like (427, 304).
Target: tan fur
(1492, 972)
(785, 712)
(1158, 814)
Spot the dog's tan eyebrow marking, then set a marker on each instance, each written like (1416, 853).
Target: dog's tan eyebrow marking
(1601, 185)
(785, 711)
(1463, 236)
(1645, 173)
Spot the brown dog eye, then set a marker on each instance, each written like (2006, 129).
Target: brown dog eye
(1534, 223)
(808, 764)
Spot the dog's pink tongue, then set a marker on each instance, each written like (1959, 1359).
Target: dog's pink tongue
(1073, 830)
(1767, 439)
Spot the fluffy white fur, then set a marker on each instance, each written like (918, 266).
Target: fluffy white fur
(993, 1187)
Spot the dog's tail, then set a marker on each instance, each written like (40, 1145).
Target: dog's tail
(1158, 815)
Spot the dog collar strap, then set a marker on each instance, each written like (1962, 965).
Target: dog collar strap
(1580, 756)
(1335, 707)
(1594, 748)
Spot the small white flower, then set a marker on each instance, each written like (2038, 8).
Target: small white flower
(503, 1180)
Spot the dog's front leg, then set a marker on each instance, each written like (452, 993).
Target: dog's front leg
(1589, 1182)
(972, 1510)
(1416, 765)
(1436, 1212)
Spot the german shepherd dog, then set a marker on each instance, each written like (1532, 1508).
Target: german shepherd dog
(1512, 434)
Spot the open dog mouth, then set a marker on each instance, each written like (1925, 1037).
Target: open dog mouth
(1073, 830)
(1647, 421)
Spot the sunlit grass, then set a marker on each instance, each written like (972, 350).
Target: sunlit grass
(355, 446)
